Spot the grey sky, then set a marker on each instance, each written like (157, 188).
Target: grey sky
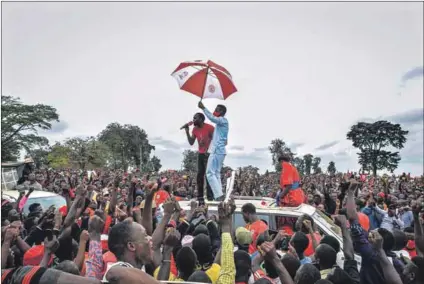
(305, 71)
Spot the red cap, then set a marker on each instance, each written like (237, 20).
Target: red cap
(34, 255)
(381, 194)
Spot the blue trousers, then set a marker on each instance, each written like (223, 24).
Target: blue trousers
(213, 173)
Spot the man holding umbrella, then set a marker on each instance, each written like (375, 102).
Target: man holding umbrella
(217, 148)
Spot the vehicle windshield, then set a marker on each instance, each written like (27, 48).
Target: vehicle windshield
(45, 202)
(239, 221)
(327, 222)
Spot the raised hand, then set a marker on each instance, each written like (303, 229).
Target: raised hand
(11, 235)
(95, 225)
(172, 238)
(81, 190)
(341, 221)
(117, 181)
(375, 239)
(308, 225)
(84, 237)
(51, 246)
(169, 206)
(269, 251)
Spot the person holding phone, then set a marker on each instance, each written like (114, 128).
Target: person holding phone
(203, 133)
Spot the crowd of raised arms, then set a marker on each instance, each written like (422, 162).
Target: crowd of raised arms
(129, 227)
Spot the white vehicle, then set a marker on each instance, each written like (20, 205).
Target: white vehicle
(44, 198)
(267, 211)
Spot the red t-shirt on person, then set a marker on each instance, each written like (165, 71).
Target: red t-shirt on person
(203, 136)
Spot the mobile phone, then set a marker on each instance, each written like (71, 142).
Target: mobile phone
(49, 234)
(285, 244)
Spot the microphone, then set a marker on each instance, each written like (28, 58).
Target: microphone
(187, 124)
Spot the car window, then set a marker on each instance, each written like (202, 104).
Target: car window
(239, 221)
(327, 222)
(45, 202)
(282, 221)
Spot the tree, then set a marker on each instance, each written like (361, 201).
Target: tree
(190, 161)
(87, 152)
(372, 139)
(331, 169)
(277, 148)
(308, 163)
(155, 162)
(59, 156)
(40, 156)
(299, 163)
(128, 145)
(20, 124)
(315, 165)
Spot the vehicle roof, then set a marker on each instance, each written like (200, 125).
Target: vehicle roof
(268, 206)
(36, 194)
(11, 164)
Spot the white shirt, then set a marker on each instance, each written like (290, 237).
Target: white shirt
(110, 265)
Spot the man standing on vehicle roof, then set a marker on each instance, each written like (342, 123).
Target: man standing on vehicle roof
(203, 132)
(30, 183)
(291, 195)
(217, 148)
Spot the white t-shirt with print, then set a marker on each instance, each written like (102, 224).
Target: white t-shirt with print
(110, 265)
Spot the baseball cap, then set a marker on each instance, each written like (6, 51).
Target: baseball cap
(243, 236)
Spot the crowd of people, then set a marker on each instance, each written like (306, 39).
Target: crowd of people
(123, 227)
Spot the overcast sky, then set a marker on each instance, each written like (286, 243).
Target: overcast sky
(305, 71)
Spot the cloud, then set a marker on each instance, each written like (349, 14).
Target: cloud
(57, 128)
(410, 117)
(166, 144)
(412, 74)
(237, 148)
(294, 146)
(261, 150)
(326, 146)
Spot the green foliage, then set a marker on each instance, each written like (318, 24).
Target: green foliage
(315, 165)
(128, 145)
(20, 124)
(277, 148)
(308, 163)
(299, 163)
(155, 162)
(40, 156)
(87, 152)
(372, 138)
(190, 161)
(59, 156)
(331, 169)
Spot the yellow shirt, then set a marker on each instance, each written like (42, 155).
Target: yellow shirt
(227, 274)
(212, 272)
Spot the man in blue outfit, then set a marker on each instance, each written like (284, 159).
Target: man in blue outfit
(216, 149)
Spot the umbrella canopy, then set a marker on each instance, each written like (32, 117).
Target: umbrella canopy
(204, 79)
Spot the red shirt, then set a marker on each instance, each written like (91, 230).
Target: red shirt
(203, 136)
(161, 196)
(310, 249)
(256, 228)
(289, 175)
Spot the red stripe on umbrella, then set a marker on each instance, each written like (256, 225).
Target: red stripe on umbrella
(205, 80)
(227, 84)
(192, 84)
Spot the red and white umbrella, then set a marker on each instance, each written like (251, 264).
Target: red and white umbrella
(204, 79)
